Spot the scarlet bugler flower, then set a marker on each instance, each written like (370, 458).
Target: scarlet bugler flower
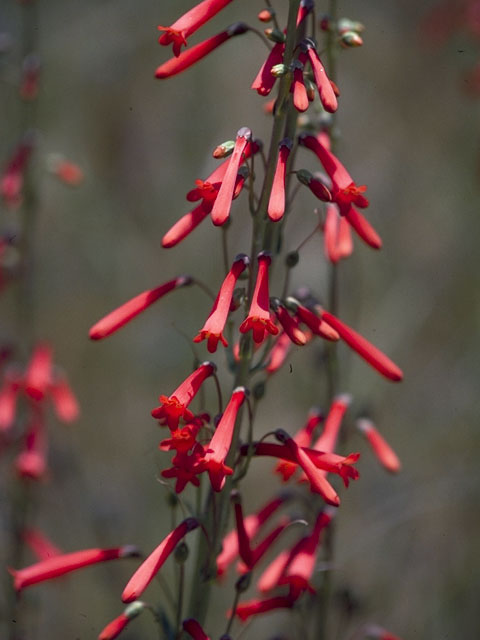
(289, 324)
(116, 626)
(265, 80)
(259, 319)
(219, 445)
(364, 348)
(187, 24)
(337, 236)
(38, 375)
(213, 328)
(279, 353)
(312, 321)
(252, 524)
(66, 563)
(152, 565)
(194, 629)
(186, 467)
(223, 202)
(276, 203)
(383, 451)
(325, 89)
(192, 55)
(328, 438)
(302, 438)
(122, 315)
(174, 407)
(298, 89)
(257, 606)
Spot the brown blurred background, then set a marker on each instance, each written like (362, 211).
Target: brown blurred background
(407, 545)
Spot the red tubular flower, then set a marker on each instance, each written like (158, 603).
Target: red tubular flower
(304, 9)
(116, 626)
(252, 525)
(289, 324)
(223, 202)
(213, 328)
(328, 440)
(363, 228)
(303, 437)
(313, 322)
(31, 463)
(344, 191)
(194, 629)
(41, 546)
(151, 566)
(121, 316)
(255, 607)
(318, 483)
(279, 353)
(300, 569)
(300, 96)
(64, 401)
(365, 349)
(338, 242)
(181, 440)
(325, 89)
(272, 574)
(175, 406)
(219, 446)
(259, 319)
(383, 451)
(187, 24)
(276, 203)
(66, 563)
(183, 227)
(186, 467)
(189, 57)
(264, 81)
(38, 375)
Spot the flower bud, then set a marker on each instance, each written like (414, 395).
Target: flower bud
(275, 35)
(223, 150)
(266, 15)
(181, 553)
(350, 39)
(278, 70)
(291, 259)
(243, 582)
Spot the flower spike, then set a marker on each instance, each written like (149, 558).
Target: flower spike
(219, 446)
(276, 203)
(121, 316)
(175, 406)
(66, 563)
(259, 319)
(364, 348)
(383, 451)
(213, 328)
(151, 566)
(187, 24)
(223, 202)
(192, 55)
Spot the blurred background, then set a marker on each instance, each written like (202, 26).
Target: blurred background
(406, 552)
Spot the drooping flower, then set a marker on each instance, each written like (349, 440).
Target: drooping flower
(279, 353)
(315, 184)
(304, 9)
(194, 629)
(303, 437)
(223, 202)
(174, 406)
(116, 626)
(183, 227)
(289, 324)
(219, 445)
(299, 571)
(187, 24)
(329, 436)
(344, 190)
(338, 242)
(363, 228)
(151, 566)
(298, 89)
(259, 319)
(325, 89)
(122, 315)
(38, 376)
(65, 403)
(364, 348)
(252, 524)
(312, 321)
(382, 450)
(276, 203)
(186, 467)
(265, 80)
(192, 55)
(258, 606)
(65, 563)
(213, 328)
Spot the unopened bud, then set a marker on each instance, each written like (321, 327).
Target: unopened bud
(238, 298)
(278, 70)
(266, 15)
(304, 176)
(223, 150)
(325, 23)
(134, 609)
(350, 39)
(275, 35)
(258, 390)
(345, 24)
(243, 582)
(181, 553)
(310, 88)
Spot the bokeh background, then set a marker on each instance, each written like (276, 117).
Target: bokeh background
(407, 545)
